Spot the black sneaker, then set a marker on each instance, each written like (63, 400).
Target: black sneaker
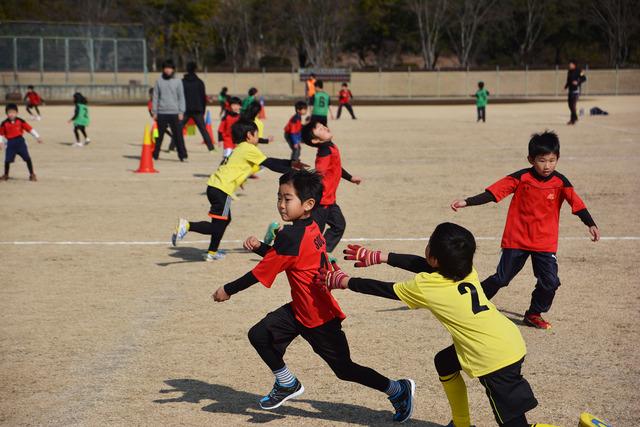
(279, 394)
(403, 400)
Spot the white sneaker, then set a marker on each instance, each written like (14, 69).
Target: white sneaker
(38, 118)
(87, 141)
(77, 144)
(181, 230)
(209, 257)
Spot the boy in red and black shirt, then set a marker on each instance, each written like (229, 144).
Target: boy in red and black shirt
(11, 131)
(293, 129)
(329, 165)
(313, 313)
(33, 100)
(225, 136)
(532, 223)
(344, 100)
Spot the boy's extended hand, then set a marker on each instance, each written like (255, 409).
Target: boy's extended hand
(458, 204)
(356, 180)
(39, 140)
(364, 257)
(332, 279)
(252, 243)
(595, 233)
(220, 295)
(297, 164)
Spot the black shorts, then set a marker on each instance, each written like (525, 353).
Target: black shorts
(220, 203)
(509, 393)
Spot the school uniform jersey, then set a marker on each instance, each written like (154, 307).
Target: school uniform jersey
(329, 165)
(484, 339)
(33, 98)
(13, 129)
(345, 96)
(243, 162)
(294, 125)
(224, 128)
(321, 102)
(299, 250)
(534, 213)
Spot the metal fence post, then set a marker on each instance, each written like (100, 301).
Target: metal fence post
(234, 79)
(293, 82)
(115, 61)
(263, 89)
(91, 61)
(379, 82)
(15, 60)
(438, 82)
(144, 62)
(586, 83)
(617, 80)
(497, 80)
(466, 81)
(409, 82)
(556, 83)
(526, 81)
(66, 60)
(41, 60)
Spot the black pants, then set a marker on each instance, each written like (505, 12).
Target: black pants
(349, 109)
(330, 215)
(199, 119)
(321, 119)
(573, 102)
(29, 107)
(77, 134)
(509, 394)
(482, 114)
(273, 334)
(172, 121)
(545, 268)
(295, 148)
(220, 214)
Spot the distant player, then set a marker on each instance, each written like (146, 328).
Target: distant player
(486, 345)
(344, 100)
(223, 100)
(32, 99)
(482, 97)
(11, 130)
(532, 223)
(250, 99)
(80, 119)
(293, 129)
(310, 88)
(575, 78)
(231, 116)
(320, 102)
(313, 313)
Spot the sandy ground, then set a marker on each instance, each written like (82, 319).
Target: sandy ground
(126, 334)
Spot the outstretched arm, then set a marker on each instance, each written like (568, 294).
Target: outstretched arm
(355, 179)
(338, 279)
(365, 257)
(282, 165)
(223, 293)
(478, 199)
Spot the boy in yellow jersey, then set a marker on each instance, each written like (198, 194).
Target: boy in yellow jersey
(245, 160)
(486, 344)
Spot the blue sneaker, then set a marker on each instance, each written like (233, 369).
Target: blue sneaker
(280, 394)
(270, 235)
(403, 400)
(181, 230)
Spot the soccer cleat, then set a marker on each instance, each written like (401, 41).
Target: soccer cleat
(181, 230)
(270, 235)
(535, 320)
(214, 256)
(280, 394)
(33, 177)
(403, 400)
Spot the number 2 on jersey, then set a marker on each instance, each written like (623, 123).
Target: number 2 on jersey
(463, 288)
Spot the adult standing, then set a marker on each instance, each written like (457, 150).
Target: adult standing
(575, 78)
(168, 107)
(195, 98)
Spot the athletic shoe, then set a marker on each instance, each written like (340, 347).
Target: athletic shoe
(209, 257)
(38, 118)
(181, 230)
(77, 144)
(87, 141)
(402, 401)
(280, 394)
(33, 177)
(535, 320)
(270, 235)
(4, 177)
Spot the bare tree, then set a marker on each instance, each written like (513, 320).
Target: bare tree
(524, 20)
(618, 19)
(431, 15)
(467, 15)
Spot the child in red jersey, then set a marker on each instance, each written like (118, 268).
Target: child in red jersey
(11, 131)
(532, 223)
(33, 100)
(224, 129)
(293, 129)
(313, 313)
(344, 100)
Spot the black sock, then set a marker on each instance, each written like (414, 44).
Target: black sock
(6, 168)
(30, 166)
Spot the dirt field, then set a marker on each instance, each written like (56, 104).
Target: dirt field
(122, 331)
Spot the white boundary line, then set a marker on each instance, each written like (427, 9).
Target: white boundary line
(353, 239)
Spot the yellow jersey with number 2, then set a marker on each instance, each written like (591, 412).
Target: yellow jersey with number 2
(484, 339)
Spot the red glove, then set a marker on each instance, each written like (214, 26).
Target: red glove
(331, 279)
(364, 257)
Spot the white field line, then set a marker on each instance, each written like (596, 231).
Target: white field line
(353, 239)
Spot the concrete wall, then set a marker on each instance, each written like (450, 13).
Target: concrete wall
(387, 84)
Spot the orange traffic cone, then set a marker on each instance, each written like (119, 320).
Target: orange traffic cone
(146, 158)
(207, 124)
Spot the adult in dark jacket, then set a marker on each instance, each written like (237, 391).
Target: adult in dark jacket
(575, 78)
(196, 102)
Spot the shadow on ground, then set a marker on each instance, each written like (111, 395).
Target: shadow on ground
(189, 254)
(230, 401)
(513, 316)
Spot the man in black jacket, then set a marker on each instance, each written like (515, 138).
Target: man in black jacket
(196, 101)
(575, 78)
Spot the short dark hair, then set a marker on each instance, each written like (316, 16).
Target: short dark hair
(344, 84)
(11, 106)
(306, 134)
(150, 91)
(168, 63)
(252, 111)
(480, 84)
(78, 98)
(241, 128)
(30, 87)
(252, 91)
(453, 246)
(319, 84)
(235, 100)
(573, 61)
(300, 105)
(307, 183)
(543, 143)
(191, 67)
(312, 75)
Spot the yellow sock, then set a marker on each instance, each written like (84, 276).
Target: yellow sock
(456, 391)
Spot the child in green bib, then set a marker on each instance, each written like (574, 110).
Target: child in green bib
(320, 101)
(80, 119)
(482, 97)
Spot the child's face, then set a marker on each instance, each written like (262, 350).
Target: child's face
(321, 134)
(252, 137)
(235, 108)
(302, 112)
(11, 114)
(167, 71)
(544, 164)
(290, 206)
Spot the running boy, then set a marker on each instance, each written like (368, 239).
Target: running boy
(245, 160)
(80, 119)
(321, 104)
(532, 223)
(33, 100)
(293, 129)
(313, 313)
(486, 345)
(344, 100)
(482, 97)
(231, 116)
(11, 130)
